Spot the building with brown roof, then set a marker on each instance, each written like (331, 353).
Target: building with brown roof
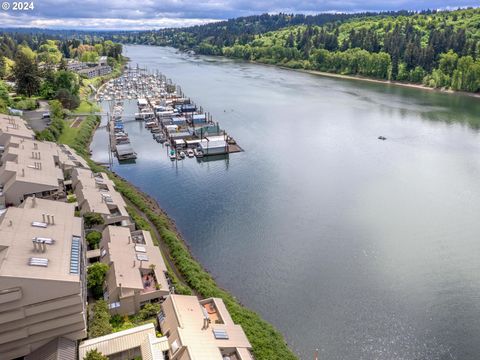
(42, 280)
(137, 273)
(30, 167)
(138, 342)
(13, 126)
(96, 193)
(202, 330)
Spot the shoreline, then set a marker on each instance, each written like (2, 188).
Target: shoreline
(364, 79)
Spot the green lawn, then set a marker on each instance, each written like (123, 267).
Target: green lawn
(69, 134)
(86, 107)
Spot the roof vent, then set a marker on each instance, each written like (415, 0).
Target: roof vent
(35, 261)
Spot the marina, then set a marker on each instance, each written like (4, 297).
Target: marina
(184, 129)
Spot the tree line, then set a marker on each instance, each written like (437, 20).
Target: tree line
(400, 46)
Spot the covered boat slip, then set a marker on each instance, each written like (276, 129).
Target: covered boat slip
(125, 152)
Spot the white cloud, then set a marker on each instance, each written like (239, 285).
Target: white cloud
(147, 14)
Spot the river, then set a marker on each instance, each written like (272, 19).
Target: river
(364, 249)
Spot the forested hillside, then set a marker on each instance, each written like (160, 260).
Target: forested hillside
(438, 49)
(211, 38)
(34, 65)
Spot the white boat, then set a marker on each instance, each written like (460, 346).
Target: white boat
(182, 154)
(198, 153)
(190, 153)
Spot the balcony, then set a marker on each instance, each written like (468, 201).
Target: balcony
(230, 354)
(149, 280)
(138, 238)
(212, 312)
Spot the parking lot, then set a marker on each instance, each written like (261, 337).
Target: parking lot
(34, 117)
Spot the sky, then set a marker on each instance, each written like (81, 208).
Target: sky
(149, 14)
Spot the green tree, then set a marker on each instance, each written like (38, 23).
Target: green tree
(69, 101)
(94, 355)
(49, 53)
(89, 56)
(93, 239)
(2, 67)
(100, 321)
(26, 74)
(92, 218)
(448, 63)
(149, 310)
(95, 277)
(68, 80)
(56, 109)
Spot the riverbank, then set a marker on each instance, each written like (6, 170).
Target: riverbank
(267, 342)
(370, 80)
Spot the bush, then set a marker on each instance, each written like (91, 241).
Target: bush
(25, 104)
(94, 355)
(91, 219)
(100, 321)
(93, 239)
(148, 311)
(95, 278)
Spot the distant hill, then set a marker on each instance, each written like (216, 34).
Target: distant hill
(436, 48)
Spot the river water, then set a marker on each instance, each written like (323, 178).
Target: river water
(364, 249)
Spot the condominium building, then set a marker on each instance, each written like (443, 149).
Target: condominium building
(137, 273)
(42, 280)
(202, 330)
(99, 70)
(13, 126)
(29, 167)
(140, 342)
(96, 193)
(68, 160)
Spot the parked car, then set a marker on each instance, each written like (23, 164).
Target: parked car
(46, 115)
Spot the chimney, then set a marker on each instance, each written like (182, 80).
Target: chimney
(53, 219)
(43, 217)
(34, 244)
(48, 219)
(34, 201)
(10, 223)
(44, 247)
(39, 155)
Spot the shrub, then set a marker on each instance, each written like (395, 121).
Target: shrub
(25, 104)
(95, 278)
(100, 321)
(148, 311)
(94, 355)
(93, 239)
(91, 219)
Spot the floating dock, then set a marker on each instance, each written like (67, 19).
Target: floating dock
(174, 120)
